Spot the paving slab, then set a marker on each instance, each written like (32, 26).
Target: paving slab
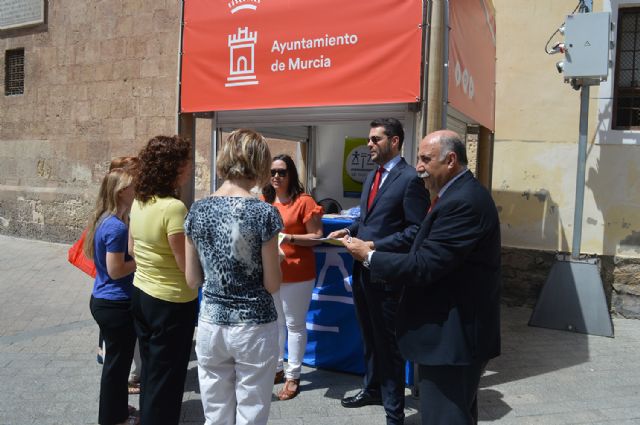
(49, 374)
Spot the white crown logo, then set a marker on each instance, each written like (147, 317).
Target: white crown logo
(238, 5)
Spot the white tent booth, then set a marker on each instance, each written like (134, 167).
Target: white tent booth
(316, 73)
(323, 130)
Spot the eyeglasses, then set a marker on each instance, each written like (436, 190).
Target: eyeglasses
(376, 139)
(280, 172)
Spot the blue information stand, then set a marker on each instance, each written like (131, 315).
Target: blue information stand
(334, 339)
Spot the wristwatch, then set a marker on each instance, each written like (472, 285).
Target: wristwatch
(367, 261)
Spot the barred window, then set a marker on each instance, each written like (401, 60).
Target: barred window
(626, 97)
(14, 72)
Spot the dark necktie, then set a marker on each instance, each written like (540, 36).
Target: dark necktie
(433, 203)
(374, 187)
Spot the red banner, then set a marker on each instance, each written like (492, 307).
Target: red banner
(251, 54)
(472, 60)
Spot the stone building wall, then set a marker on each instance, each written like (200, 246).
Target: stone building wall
(472, 153)
(623, 276)
(524, 272)
(100, 80)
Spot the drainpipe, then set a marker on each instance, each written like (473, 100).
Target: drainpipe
(445, 65)
(435, 67)
(426, 50)
(186, 125)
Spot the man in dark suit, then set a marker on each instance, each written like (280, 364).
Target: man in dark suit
(449, 313)
(393, 203)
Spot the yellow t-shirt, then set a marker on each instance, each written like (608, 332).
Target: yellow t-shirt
(157, 273)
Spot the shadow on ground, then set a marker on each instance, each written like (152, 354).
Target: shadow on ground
(526, 352)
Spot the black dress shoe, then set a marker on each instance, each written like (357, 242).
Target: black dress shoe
(361, 399)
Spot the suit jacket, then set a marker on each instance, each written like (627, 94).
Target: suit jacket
(449, 311)
(396, 213)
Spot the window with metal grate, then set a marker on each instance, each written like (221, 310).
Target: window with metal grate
(14, 72)
(626, 97)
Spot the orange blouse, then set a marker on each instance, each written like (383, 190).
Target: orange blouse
(299, 263)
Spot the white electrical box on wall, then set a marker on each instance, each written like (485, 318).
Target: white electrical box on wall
(587, 44)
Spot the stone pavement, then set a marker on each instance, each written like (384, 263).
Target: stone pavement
(48, 372)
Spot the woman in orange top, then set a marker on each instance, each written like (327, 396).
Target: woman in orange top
(302, 225)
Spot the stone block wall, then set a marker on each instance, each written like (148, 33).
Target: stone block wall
(472, 153)
(625, 286)
(525, 271)
(100, 80)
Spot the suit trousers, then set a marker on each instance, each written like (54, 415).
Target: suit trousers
(449, 394)
(165, 332)
(116, 324)
(376, 309)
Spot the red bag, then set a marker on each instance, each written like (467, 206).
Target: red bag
(77, 258)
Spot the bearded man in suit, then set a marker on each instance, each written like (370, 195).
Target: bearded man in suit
(393, 203)
(449, 312)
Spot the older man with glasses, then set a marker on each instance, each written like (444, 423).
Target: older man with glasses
(449, 317)
(394, 202)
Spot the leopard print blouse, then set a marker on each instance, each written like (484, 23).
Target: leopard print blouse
(228, 233)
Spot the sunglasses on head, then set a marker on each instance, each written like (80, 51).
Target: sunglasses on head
(280, 172)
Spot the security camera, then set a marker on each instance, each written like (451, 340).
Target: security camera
(560, 66)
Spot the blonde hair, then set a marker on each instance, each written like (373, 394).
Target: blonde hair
(244, 155)
(127, 162)
(113, 183)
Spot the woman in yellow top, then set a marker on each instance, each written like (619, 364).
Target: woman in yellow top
(164, 307)
(302, 224)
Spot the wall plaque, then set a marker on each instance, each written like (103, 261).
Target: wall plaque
(21, 13)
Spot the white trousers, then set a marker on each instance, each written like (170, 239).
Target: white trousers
(235, 370)
(292, 304)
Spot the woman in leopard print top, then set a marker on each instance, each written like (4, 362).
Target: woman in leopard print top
(232, 251)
